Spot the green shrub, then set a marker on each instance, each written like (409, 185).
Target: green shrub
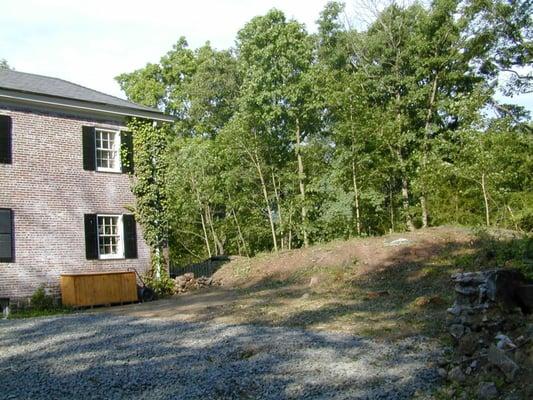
(40, 301)
(515, 252)
(162, 286)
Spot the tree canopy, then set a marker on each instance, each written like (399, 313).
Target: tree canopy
(292, 138)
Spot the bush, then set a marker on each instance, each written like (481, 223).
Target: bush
(515, 252)
(164, 286)
(40, 301)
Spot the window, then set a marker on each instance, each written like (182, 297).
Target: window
(110, 233)
(110, 236)
(107, 150)
(6, 235)
(5, 139)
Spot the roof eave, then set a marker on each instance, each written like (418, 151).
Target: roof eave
(87, 107)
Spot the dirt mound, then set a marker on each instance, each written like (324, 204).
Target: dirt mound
(360, 255)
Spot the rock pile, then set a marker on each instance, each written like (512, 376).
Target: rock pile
(187, 282)
(492, 328)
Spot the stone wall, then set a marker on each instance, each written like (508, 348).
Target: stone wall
(491, 326)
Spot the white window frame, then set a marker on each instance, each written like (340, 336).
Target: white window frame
(117, 149)
(120, 244)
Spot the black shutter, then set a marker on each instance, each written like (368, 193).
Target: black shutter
(126, 142)
(5, 139)
(130, 236)
(89, 162)
(6, 235)
(91, 237)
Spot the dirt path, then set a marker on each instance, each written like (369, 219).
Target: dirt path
(195, 306)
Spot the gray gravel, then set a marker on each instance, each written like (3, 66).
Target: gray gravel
(97, 356)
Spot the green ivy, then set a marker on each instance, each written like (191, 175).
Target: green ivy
(150, 144)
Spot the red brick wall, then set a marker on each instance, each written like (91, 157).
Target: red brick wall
(49, 193)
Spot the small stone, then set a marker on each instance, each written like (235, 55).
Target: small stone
(457, 330)
(304, 296)
(487, 390)
(456, 375)
(442, 373)
(455, 309)
(397, 242)
(504, 342)
(315, 280)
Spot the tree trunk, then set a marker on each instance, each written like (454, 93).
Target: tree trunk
(241, 237)
(267, 203)
(356, 194)
(391, 209)
(301, 180)
(424, 206)
(206, 237)
(486, 199)
(219, 248)
(405, 202)
(423, 201)
(290, 230)
(354, 175)
(199, 201)
(405, 193)
(280, 215)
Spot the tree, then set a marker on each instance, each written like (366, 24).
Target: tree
(500, 35)
(275, 57)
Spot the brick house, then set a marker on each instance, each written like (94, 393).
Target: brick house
(65, 196)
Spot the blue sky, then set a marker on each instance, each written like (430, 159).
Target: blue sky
(91, 42)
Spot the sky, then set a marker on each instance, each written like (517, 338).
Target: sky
(90, 42)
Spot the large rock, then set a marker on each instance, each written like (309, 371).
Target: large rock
(457, 330)
(468, 344)
(498, 358)
(487, 391)
(456, 375)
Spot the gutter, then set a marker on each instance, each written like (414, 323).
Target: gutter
(87, 107)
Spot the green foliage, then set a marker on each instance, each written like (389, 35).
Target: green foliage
(4, 64)
(40, 301)
(150, 144)
(41, 304)
(162, 286)
(500, 251)
(293, 138)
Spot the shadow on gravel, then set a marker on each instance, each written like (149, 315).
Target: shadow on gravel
(104, 356)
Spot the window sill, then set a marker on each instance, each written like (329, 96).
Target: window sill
(109, 171)
(104, 258)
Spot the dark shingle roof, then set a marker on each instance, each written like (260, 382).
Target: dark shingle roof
(44, 85)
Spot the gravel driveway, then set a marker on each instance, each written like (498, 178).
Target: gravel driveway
(97, 356)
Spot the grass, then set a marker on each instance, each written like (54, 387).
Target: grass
(41, 304)
(33, 312)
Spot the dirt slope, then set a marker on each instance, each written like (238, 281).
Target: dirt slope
(361, 256)
(391, 286)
